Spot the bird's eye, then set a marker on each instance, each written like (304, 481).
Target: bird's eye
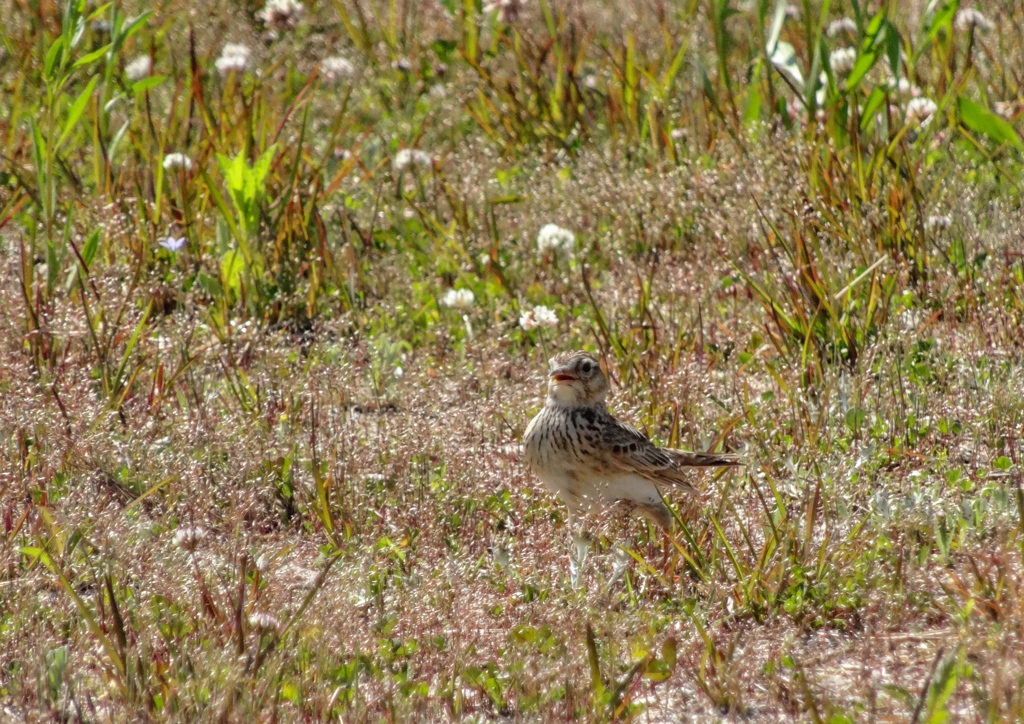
(587, 366)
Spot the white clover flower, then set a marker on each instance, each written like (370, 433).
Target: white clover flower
(227, 64)
(336, 67)
(905, 88)
(234, 58)
(177, 160)
(938, 221)
(590, 81)
(399, 372)
(842, 25)
(458, 298)
(281, 14)
(545, 316)
(189, 538)
(264, 622)
(968, 18)
(678, 134)
(173, 244)
(539, 316)
(138, 68)
(920, 111)
(232, 49)
(412, 157)
(403, 64)
(508, 10)
(842, 60)
(528, 321)
(794, 12)
(553, 237)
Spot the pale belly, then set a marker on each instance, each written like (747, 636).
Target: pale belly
(582, 496)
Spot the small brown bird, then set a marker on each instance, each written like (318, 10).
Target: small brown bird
(586, 456)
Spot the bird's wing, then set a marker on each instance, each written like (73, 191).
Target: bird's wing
(629, 450)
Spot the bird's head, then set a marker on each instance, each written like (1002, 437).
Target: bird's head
(576, 378)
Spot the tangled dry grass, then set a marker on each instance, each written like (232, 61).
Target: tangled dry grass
(273, 473)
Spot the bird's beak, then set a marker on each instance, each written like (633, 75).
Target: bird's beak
(561, 375)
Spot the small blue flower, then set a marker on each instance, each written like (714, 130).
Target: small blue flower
(173, 244)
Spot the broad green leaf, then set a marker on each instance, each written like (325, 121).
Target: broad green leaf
(231, 267)
(865, 62)
(262, 167)
(52, 264)
(942, 686)
(752, 110)
(941, 20)
(77, 27)
(211, 285)
(116, 140)
(218, 200)
(892, 46)
(875, 25)
(670, 74)
(51, 57)
(668, 651)
(135, 25)
(869, 50)
(92, 245)
(148, 82)
(657, 670)
(77, 109)
(93, 56)
(875, 100)
(978, 118)
(99, 11)
(232, 169)
(39, 156)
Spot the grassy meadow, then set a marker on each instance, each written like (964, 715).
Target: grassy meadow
(278, 285)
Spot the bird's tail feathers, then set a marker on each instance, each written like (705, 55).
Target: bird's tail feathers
(704, 459)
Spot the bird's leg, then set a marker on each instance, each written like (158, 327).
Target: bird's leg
(620, 562)
(578, 552)
(579, 548)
